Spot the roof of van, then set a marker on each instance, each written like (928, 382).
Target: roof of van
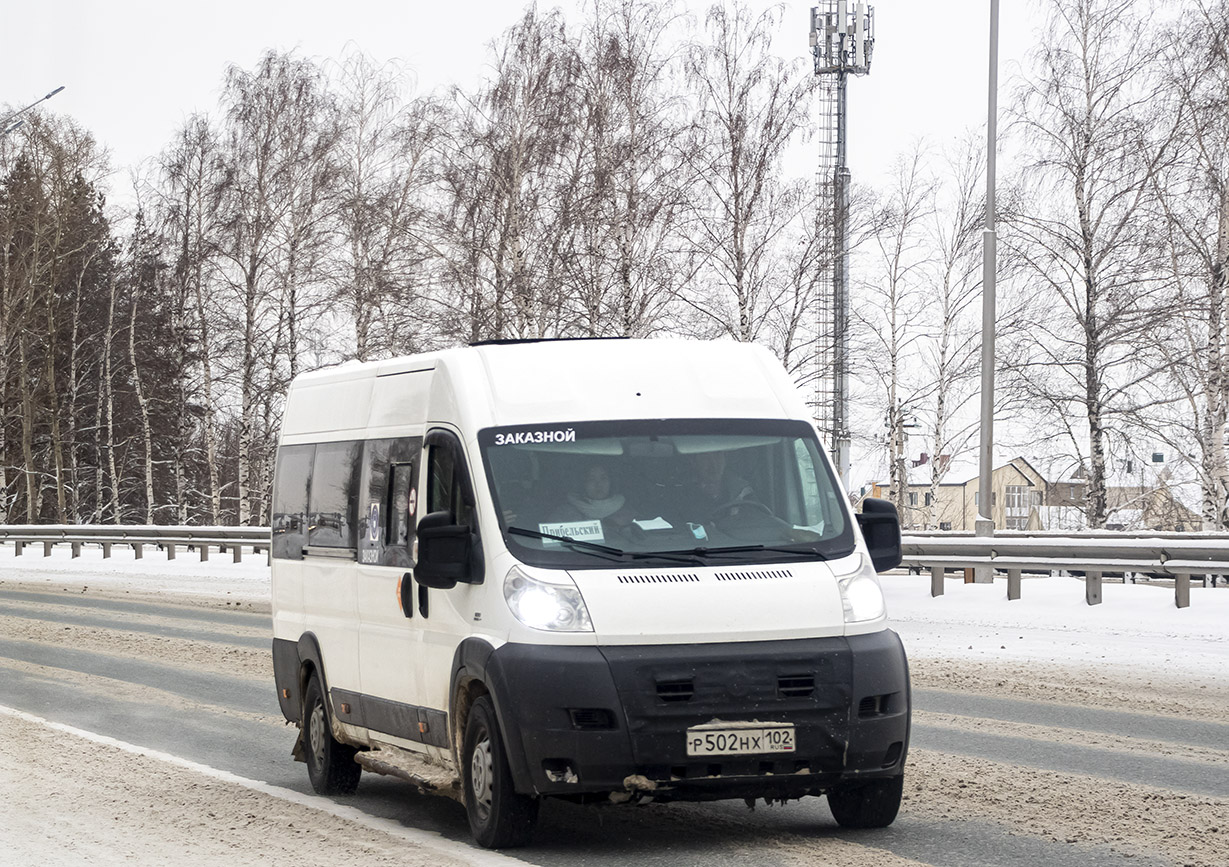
(516, 383)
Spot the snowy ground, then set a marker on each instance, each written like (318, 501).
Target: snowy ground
(1137, 627)
(108, 803)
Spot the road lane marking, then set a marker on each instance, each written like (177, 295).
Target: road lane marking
(424, 839)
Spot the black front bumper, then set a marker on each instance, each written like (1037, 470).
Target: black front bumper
(595, 720)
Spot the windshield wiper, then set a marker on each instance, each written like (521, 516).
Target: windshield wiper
(674, 556)
(578, 544)
(744, 549)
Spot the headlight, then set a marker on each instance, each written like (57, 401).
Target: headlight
(861, 594)
(537, 604)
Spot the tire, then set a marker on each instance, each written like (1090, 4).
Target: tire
(499, 818)
(867, 805)
(330, 764)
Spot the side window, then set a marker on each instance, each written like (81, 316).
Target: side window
(389, 501)
(447, 480)
(290, 487)
(334, 495)
(812, 502)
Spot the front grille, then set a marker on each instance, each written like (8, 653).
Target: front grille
(592, 719)
(796, 686)
(676, 690)
(876, 705)
(672, 578)
(758, 575)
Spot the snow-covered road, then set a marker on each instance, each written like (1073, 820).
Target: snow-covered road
(1004, 691)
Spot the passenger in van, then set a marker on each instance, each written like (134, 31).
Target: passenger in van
(595, 500)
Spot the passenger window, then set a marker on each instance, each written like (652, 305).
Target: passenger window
(446, 481)
(402, 504)
(388, 505)
(334, 495)
(290, 487)
(439, 494)
(808, 471)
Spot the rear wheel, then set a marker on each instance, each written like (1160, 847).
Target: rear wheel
(867, 805)
(330, 763)
(498, 816)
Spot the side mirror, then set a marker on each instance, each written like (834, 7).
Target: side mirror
(444, 552)
(880, 526)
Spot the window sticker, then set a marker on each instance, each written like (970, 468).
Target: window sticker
(373, 522)
(581, 531)
(535, 437)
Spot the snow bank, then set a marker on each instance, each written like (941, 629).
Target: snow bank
(1136, 626)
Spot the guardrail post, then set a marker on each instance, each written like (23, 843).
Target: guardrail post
(204, 553)
(238, 552)
(76, 549)
(170, 550)
(138, 550)
(936, 580)
(1092, 588)
(106, 550)
(18, 548)
(1013, 584)
(1182, 590)
(47, 548)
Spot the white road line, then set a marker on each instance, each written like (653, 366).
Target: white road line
(425, 839)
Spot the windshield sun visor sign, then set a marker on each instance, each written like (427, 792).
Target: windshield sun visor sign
(581, 531)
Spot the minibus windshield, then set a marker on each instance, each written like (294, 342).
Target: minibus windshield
(697, 491)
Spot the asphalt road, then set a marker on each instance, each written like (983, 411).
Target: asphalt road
(158, 698)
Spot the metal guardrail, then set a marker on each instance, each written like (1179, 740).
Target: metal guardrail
(169, 538)
(1095, 555)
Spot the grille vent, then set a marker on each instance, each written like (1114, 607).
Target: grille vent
(796, 686)
(592, 718)
(675, 690)
(758, 575)
(673, 578)
(875, 705)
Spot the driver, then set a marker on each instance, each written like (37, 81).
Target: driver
(714, 486)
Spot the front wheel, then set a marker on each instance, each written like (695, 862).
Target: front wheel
(867, 805)
(330, 763)
(498, 816)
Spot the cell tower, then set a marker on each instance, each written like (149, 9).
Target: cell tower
(842, 38)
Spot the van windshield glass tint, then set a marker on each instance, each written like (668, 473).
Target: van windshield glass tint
(755, 489)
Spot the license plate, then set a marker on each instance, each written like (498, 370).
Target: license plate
(728, 739)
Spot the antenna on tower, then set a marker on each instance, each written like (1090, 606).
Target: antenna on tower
(842, 42)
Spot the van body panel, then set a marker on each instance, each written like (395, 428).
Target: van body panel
(331, 613)
(688, 605)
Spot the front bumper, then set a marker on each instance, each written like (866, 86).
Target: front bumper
(585, 721)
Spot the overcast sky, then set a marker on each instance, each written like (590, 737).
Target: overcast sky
(133, 69)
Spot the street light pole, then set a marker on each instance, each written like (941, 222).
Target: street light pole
(985, 500)
(5, 127)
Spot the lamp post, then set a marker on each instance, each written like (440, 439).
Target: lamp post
(984, 525)
(7, 125)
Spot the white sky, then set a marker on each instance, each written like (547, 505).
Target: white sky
(134, 70)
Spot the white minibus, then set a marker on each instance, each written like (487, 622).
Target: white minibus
(602, 570)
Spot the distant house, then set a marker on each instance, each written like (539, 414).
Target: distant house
(1017, 490)
(1147, 494)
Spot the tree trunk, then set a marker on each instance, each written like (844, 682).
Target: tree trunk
(142, 403)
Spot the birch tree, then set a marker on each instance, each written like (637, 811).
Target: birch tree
(1087, 117)
(750, 105)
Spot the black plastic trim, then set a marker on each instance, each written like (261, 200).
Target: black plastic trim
(286, 668)
(536, 688)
